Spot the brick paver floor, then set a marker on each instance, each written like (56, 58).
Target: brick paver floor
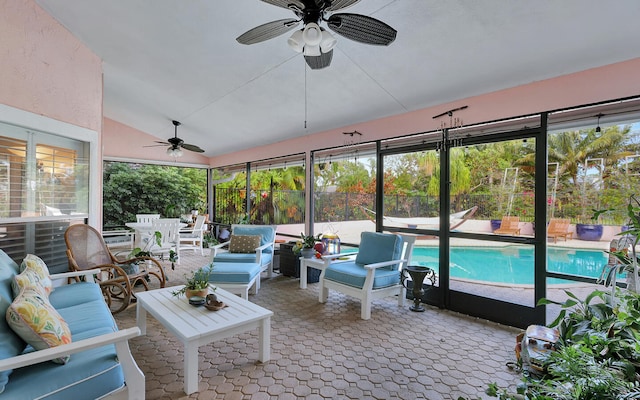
(323, 351)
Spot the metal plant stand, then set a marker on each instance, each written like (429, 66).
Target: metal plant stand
(418, 274)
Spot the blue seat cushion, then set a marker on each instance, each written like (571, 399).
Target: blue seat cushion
(354, 274)
(378, 247)
(88, 375)
(241, 258)
(88, 317)
(233, 272)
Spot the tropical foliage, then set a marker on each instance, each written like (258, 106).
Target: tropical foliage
(598, 356)
(345, 189)
(130, 189)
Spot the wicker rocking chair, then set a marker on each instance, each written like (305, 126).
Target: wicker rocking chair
(86, 250)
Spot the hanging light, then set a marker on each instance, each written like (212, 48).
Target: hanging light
(328, 42)
(174, 151)
(312, 34)
(296, 42)
(312, 40)
(313, 51)
(598, 130)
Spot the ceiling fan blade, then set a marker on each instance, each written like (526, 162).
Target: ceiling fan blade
(165, 143)
(362, 29)
(340, 4)
(319, 62)
(286, 3)
(267, 31)
(158, 145)
(192, 147)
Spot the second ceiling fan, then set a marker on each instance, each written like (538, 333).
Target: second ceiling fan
(314, 41)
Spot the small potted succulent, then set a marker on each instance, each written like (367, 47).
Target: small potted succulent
(197, 284)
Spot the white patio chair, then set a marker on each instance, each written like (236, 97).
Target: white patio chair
(373, 274)
(263, 253)
(169, 228)
(191, 238)
(146, 218)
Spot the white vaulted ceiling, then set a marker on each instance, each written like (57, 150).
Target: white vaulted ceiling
(178, 59)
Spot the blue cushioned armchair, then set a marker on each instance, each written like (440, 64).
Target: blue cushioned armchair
(374, 273)
(263, 254)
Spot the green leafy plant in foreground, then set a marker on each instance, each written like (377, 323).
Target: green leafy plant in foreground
(598, 357)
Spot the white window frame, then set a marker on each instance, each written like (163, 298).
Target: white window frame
(29, 120)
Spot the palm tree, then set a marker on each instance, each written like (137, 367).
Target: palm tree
(572, 149)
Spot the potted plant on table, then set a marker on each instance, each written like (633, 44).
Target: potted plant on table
(305, 246)
(197, 284)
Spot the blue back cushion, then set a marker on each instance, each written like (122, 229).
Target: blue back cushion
(10, 344)
(379, 247)
(267, 233)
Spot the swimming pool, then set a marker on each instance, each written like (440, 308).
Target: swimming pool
(511, 265)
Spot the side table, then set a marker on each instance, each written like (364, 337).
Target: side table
(313, 262)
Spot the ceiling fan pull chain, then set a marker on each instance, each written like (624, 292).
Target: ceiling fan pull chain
(305, 96)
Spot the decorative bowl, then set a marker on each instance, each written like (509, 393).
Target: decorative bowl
(215, 305)
(196, 301)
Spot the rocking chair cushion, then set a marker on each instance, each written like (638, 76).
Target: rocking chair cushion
(244, 243)
(379, 247)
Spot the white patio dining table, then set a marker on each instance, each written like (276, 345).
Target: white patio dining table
(143, 230)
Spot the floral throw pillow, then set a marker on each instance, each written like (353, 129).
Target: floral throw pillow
(35, 264)
(244, 243)
(34, 319)
(28, 279)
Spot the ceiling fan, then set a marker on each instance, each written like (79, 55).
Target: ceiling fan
(176, 144)
(314, 41)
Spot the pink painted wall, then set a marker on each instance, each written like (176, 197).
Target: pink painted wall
(123, 141)
(45, 69)
(591, 86)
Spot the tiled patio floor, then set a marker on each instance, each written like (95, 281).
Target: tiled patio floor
(327, 351)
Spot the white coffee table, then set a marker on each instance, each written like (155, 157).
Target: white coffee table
(197, 326)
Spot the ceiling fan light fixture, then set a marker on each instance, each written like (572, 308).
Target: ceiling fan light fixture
(312, 51)
(328, 42)
(312, 34)
(296, 41)
(174, 152)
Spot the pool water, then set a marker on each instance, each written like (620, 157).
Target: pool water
(511, 265)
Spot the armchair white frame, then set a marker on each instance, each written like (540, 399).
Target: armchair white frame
(191, 238)
(367, 293)
(265, 266)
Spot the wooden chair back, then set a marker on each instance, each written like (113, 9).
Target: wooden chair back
(558, 225)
